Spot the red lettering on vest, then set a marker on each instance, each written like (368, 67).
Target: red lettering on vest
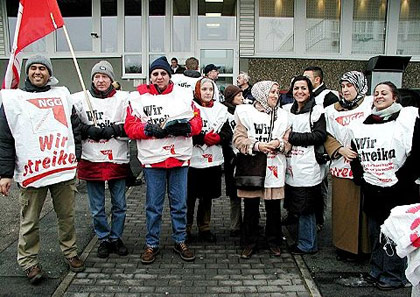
(170, 148)
(347, 119)
(209, 157)
(274, 170)
(55, 104)
(108, 153)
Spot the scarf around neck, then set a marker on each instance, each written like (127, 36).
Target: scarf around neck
(386, 113)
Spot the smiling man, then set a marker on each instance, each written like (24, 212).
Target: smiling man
(104, 156)
(39, 145)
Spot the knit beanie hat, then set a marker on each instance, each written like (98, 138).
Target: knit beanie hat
(39, 59)
(103, 67)
(160, 63)
(230, 92)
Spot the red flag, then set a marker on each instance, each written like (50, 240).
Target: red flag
(35, 19)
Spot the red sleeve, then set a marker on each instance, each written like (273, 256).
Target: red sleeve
(196, 122)
(133, 126)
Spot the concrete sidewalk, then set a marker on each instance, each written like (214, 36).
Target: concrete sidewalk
(217, 270)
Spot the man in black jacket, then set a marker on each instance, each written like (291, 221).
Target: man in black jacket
(323, 97)
(39, 146)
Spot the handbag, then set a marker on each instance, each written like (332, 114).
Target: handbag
(251, 169)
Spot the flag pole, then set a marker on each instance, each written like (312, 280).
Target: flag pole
(80, 76)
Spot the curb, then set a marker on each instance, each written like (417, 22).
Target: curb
(303, 269)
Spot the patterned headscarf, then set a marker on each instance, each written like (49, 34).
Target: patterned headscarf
(359, 81)
(260, 92)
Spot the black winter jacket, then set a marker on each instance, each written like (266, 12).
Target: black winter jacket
(317, 136)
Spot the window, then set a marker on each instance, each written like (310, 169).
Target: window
(323, 26)
(276, 19)
(181, 37)
(409, 28)
(109, 29)
(217, 20)
(77, 15)
(369, 26)
(157, 26)
(132, 60)
(223, 59)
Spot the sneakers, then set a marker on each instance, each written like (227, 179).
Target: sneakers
(119, 248)
(76, 264)
(149, 255)
(247, 252)
(34, 274)
(104, 249)
(184, 252)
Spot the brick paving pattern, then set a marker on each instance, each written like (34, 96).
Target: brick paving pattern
(217, 270)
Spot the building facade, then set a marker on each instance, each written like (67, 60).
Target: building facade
(270, 39)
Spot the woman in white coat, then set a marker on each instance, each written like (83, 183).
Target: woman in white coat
(260, 127)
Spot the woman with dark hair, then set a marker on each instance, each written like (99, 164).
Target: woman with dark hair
(260, 128)
(382, 143)
(304, 175)
(349, 223)
(205, 172)
(233, 98)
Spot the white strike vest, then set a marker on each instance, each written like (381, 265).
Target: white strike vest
(302, 168)
(258, 126)
(185, 81)
(213, 118)
(319, 100)
(157, 109)
(41, 126)
(339, 126)
(383, 148)
(108, 111)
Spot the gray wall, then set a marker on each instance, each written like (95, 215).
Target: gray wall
(282, 70)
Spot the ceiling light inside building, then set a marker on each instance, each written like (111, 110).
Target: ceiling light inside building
(213, 14)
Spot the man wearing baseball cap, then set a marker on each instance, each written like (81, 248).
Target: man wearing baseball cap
(212, 71)
(40, 145)
(105, 156)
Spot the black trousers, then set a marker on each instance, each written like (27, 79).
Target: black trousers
(273, 233)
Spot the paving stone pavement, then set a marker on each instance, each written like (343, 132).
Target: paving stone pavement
(217, 270)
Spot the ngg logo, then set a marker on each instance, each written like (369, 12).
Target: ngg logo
(46, 102)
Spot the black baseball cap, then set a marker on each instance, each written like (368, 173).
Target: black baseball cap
(210, 67)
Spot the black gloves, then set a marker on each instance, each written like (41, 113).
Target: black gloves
(155, 130)
(93, 133)
(115, 130)
(97, 133)
(179, 129)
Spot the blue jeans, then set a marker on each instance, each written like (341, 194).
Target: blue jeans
(157, 181)
(307, 233)
(389, 269)
(96, 193)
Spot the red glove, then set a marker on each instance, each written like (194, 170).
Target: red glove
(211, 138)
